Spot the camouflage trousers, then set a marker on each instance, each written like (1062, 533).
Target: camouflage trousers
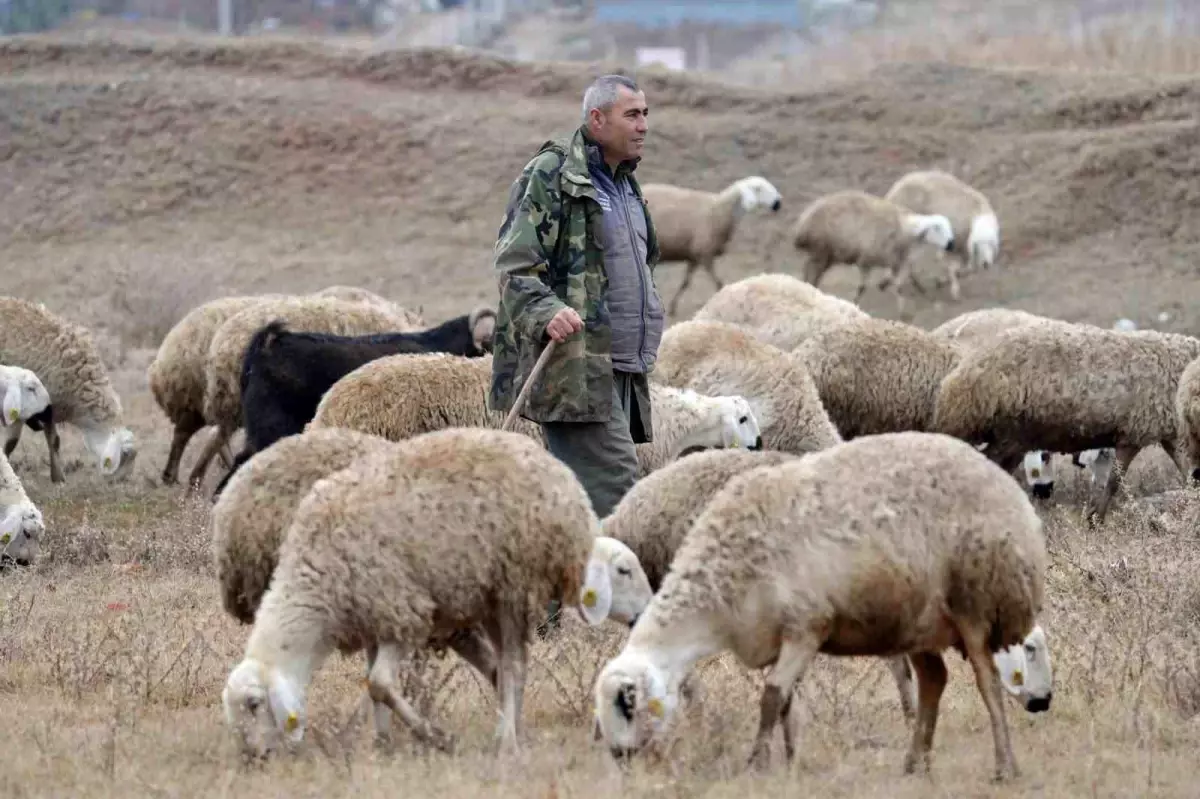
(601, 454)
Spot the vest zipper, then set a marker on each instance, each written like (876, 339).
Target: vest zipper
(637, 260)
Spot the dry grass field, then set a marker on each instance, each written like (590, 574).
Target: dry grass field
(140, 177)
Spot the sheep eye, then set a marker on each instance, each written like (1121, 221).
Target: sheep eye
(252, 704)
(1030, 648)
(624, 571)
(743, 420)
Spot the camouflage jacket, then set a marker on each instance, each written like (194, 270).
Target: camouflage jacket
(548, 256)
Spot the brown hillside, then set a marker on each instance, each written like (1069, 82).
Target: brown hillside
(288, 166)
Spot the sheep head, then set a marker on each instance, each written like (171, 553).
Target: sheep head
(757, 192)
(934, 229)
(264, 708)
(1025, 671)
(633, 703)
(24, 395)
(21, 529)
(615, 585)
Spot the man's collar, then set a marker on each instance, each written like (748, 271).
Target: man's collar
(595, 152)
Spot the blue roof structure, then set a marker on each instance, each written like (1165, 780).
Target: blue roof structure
(669, 13)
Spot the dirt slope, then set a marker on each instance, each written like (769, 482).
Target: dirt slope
(283, 166)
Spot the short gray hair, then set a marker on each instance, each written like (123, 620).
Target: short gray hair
(603, 91)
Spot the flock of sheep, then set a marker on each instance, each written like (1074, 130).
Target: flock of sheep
(820, 481)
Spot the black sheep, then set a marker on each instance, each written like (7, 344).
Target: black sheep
(285, 373)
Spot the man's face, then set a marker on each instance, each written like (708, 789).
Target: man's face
(622, 131)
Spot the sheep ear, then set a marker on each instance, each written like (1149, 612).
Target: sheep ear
(483, 331)
(286, 706)
(12, 405)
(595, 598)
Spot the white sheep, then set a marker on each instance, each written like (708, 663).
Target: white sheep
(897, 544)
(695, 226)
(877, 375)
(777, 308)
(223, 363)
(972, 217)
(64, 357)
(22, 395)
(979, 328)
(855, 228)
(449, 532)
(21, 524)
(718, 358)
(399, 396)
(1068, 389)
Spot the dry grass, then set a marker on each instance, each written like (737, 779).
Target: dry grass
(1135, 41)
(113, 652)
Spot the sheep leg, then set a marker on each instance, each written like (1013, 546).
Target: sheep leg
(902, 672)
(510, 679)
(380, 713)
(219, 437)
(795, 655)
(687, 281)
(710, 268)
(226, 454)
(1116, 475)
(12, 437)
(931, 682)
(53, 444)
(952, 275)
(381, 685)
(988, 683)
(179, 441)
(478, 650)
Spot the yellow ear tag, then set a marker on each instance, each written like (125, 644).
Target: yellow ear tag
(655, 706)
(589, 598)
(4, 539)
(1018, 678)
(13, 414)
(292, 722)
(108, 463)
(737, 442)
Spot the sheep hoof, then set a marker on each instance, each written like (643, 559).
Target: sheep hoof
(1006, 773)
(760, 758)
(916, 764)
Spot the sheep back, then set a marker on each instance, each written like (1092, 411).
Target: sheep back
(718, 358)
(176, 375)
(411, 319)
(223, 366)
(777, 308)
(1065, 389)
(884, 534)
(980, 327)
(653, 516)
(853, 227)
(445, 530)
(400, 396)
(878, 375)
(249, 518)
(64, 356)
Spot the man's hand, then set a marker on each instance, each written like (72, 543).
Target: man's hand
(565, 323)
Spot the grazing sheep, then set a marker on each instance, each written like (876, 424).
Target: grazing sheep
(778, 309)
(971, 216)
(1068, 389)
(855, 228)
(877, 375)
(223, 365)
(979, 328)
(400, 396)
(22, 395)
(897, 544)
(64, 357)
(695, 226)
(448, 532)
(718, 358)
(285, 373)
(176, 375)
(21, 525)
